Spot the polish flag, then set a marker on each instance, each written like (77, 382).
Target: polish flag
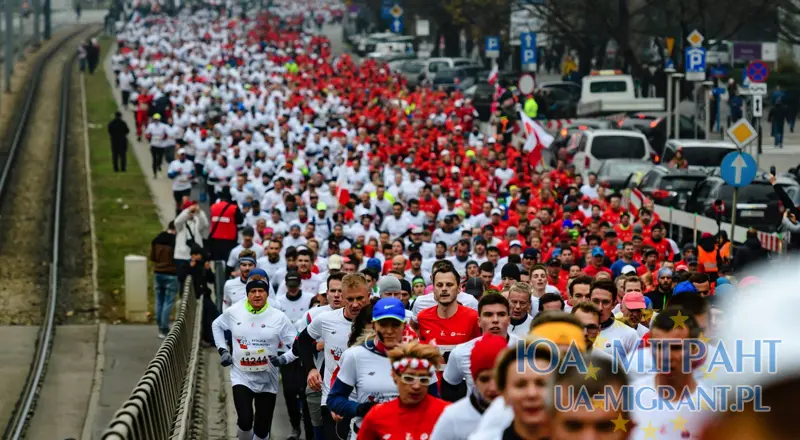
(493, 74)
(342, 192)
(537, 138)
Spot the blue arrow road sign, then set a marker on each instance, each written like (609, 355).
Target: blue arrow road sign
(397, 26)
(695, 64)
(669, 64)
(492, 47)
(528, 47)
(738, 169)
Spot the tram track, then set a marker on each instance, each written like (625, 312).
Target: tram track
(32, 223)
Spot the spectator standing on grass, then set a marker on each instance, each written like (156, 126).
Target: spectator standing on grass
(82, 54)
(118, 132)
(165, 284)
(92, 54)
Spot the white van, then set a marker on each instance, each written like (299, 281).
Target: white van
(595, 146)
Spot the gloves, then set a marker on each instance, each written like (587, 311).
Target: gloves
(363, 408)
(225, 358)
(278, 361)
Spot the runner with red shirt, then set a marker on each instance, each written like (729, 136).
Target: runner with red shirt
(413, 414)
(449, 323)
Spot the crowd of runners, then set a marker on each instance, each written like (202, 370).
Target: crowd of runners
(388, 256)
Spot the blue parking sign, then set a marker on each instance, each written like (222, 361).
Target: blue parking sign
(492, 48)
(695, 64)
(528, 47)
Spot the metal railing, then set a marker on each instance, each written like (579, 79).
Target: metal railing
(160, 405)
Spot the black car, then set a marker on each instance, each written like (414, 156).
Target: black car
(671, 186)
(482, 95)
(570, 88)
(757, 205)
(616, 173)
(654, 126)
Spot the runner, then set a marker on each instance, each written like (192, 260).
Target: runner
(235, 290)
(414, 413)
(365, 368)
(461, 419)
(493, 319)
(449, 323)
(333, 329)
(256, 355)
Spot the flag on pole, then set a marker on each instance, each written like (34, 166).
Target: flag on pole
(493, 74)
(537, 138)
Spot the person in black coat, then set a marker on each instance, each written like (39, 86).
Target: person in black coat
(118, 131)
(200, 271)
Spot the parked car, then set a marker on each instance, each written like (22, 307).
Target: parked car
(654, 126)
(670, 186)
(482, 95)
(757, 204)
(595, 146)
(412, 71)
(434, 65)
(616, 173)
(570, 88)
(699, 154)
(457, 78)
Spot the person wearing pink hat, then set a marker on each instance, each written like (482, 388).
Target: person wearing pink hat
(633, 306)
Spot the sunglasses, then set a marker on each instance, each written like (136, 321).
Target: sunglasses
(591, 327)
(410, 379)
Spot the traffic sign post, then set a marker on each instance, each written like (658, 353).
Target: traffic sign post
(695, 63)
(492, 47)
(528, 48)
(737, 169)
(758, 109)
(526, 84)
(757, 71)
(397, 26)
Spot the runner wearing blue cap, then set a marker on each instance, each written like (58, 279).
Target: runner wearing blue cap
(366, 368)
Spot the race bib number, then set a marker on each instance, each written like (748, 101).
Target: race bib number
(254, 361)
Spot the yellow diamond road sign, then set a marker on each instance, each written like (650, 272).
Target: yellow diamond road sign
(742, 133)
(396, 11)
(695, 38)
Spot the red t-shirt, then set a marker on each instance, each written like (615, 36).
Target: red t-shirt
(395, 421)
(592, 271)
(447, 333)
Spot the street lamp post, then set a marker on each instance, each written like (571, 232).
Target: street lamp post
(677, 131)
(669, 72)
(708, 87)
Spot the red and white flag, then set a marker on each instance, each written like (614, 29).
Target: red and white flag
(493, 74)
(537, 138)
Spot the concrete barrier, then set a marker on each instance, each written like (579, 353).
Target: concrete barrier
(136, 279)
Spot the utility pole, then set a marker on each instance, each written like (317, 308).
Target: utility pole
(37, 14)
(21, 37)
(9, 9)
(47, 11)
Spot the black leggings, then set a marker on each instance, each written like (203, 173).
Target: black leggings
(243, 398)
(157, 155)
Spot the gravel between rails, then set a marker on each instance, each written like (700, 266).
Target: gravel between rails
(26, 214)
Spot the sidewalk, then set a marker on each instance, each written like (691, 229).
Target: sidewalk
(161, 187)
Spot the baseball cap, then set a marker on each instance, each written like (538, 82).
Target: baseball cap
(389, 284)
(598, 252)
(292, 278)
(634, 301)
(321, 206)
(181, 151)
(416, 230)
(389, 308)
(530, 253)
(474, 287)
(335, 262)
(681, 268)
(496, 211)
(374, 263)
(514, 243)
(553, 261)
(628, 269)
(665, 272)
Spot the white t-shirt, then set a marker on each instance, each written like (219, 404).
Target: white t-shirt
(521, 331)
(183, 170)
(333, 329)
(497, 417)
(254, 337)
(457, 422)
(303, 323)
(459, 363)
(294, 308)
(233, 291)
(617, 331)
(661, 417)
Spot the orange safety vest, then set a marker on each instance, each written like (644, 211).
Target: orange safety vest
(707, 261)
(223, 221)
